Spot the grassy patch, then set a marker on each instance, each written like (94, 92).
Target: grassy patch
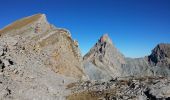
(20, 23)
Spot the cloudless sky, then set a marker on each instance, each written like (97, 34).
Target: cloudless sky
(135, 26)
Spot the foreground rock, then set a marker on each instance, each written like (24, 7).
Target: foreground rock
(37, 60)
(127, 88)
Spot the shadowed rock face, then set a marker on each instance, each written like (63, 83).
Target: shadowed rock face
(160, 55)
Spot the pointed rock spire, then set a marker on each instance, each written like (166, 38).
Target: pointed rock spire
(105, 57)
(105, 38)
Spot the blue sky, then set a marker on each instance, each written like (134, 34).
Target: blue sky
(135, 26)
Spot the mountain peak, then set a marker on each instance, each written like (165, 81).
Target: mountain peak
(41, 16)
(163, 45)
(160, 55)
(24, 22)
(105, 38)
(103, 47)
(104, 56)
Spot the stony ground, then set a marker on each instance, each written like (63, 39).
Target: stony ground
(127, 88)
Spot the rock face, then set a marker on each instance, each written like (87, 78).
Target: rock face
(37, 60)
(105, 59)
(160, 55)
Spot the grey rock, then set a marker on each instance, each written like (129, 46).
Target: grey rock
(133, 88)
(160, 55)
(104, 57)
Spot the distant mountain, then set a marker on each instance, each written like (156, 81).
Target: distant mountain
(156, 64)
(104, 62)
(105, 59)
(160, 55)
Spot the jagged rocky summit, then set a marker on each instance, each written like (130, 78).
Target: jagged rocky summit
(104, 62)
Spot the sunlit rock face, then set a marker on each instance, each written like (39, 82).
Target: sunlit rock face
(105, 59)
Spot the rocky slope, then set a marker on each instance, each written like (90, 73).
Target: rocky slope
(37, 60)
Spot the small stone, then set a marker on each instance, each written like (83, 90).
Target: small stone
(6, 62)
